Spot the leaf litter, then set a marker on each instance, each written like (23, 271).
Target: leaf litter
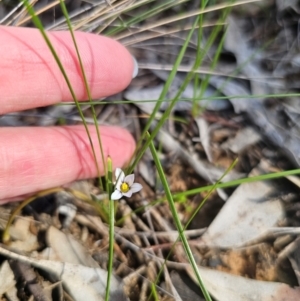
(245, 238)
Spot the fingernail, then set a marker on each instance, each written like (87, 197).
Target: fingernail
(135, 68)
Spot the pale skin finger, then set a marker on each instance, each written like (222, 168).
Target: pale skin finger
(30, 77)
(33, 159)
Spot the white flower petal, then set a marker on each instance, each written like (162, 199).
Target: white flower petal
(116, 195)
(119, 178)
(129, 179)
(118, 172)
(128, 193)
(135, 187)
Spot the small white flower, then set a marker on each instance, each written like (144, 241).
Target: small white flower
(125, 185)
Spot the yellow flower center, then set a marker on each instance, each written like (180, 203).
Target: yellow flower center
(124, 187)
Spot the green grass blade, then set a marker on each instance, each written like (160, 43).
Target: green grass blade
(181, 89)
(193, 215)
(160, 100)
(180, 195)
(233, 183)
(177, 220)
(65, 12)
(213, 188)
(143, 16)
(111, 231)
(37, 22)
(205, 82)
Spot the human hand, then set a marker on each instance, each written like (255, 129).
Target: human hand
(37, 158)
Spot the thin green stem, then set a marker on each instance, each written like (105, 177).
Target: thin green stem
(37, 22)
(111, 231)
(160, 100)
(177, 220)
(65, 12)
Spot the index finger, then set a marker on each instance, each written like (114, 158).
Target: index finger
(30, 77)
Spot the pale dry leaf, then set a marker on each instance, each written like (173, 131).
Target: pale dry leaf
(23, 239)
(247, 214)
(244, 138)
(204, 136)
(7, 278)
(226, 287)
(267, 120)
(66, 249)
(82, 283)
(145, 98)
